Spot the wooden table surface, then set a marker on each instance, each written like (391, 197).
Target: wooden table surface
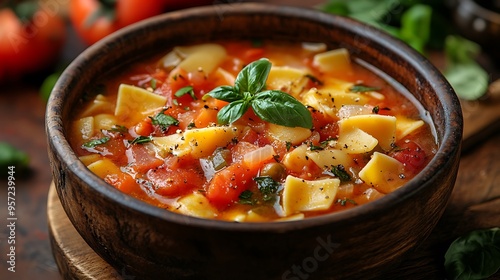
(475, 201)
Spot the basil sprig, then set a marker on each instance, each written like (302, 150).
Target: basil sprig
(273, 106)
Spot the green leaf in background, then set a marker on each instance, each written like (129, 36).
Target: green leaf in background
(12, 156)
(468, 79)
(474, 256)
(416, 26)
(47, 85)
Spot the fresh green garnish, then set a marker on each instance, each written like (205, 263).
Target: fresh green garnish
(163, 120)
(344, 201)
(185, 90)
(141, 140)
(362, 88)
(288, 145)
(267, 187)
(474, 256)
(153, 84)
(376, 109)
(119, 128)
(12, 156)
(420, 24)
(273, 106)
(95, 142)
(340, 172)
(246, 198)
(314, 147)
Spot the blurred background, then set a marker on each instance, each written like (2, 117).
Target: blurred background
(38, 39)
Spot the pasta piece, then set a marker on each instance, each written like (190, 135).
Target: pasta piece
(330, 101)
(383, 128)
(355, 141)
(204, 141)
(204, 57)
(335, 60)
(104, 122)
(83, 128)
(196, 205)
(89, 159)
(330, 157)
(294, 135)
(296, 159)
(383, 173)
(302, 195)
(172, 144)
(288, 79)
(134, 103)
(104, 167)
(100, 105)
(405, 126)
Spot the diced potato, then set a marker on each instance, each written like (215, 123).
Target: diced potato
(382, 172)
(104, 121)
(335, 60)
(329, 157)
(288, 79)
(383, 128)
(301, 195)
(100, 105)
(89, 159)
(205, 57)
(405, 126)
(356, 141)
(104, 167)
(135, 103)
(83, 128)
(196, 205)
(294, 135)
(296, 159)
(204, 141)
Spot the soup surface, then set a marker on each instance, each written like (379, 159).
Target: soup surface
(251, 131)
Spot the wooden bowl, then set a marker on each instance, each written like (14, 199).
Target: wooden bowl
(152, 243)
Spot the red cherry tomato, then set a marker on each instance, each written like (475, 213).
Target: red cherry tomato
(29, 45)
(95, 19)
(412, 156)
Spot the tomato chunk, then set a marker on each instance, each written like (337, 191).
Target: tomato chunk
(412, 156)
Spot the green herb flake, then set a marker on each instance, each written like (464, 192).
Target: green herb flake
(375, 109)
(475, 255)
(246, 198)
(340, 172)
(362, 88)
(141, 140)
(153, 83)
(185, 90)
(313, 147)
(273, 106)
(95, 142)
(119, 128)
(163, 120)
(267, 187)
(288, 145)
(344, 201)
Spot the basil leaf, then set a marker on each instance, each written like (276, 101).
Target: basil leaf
(282, 109)
(252, 78)
(362, 88)
(470, 81)
(225, 93)
(340, 172)
(416, 26)
(141, 140)
(232, 111)
(474, 256)
(12, 156)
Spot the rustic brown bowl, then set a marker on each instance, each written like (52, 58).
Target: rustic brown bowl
(151, 243)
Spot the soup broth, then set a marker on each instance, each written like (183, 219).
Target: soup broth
(193, 132)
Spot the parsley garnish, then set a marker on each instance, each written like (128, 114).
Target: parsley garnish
(340, 172)
(362, 88)
(246, 198)
(163, 120)
(267, 187)
(141, 140)
(119, 128)
(314, 147)
(344, 201)
(273, 106)
(375, 110)
(95, 142)
(185, 90)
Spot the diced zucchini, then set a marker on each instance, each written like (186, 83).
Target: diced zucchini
(301, 195)
(135, 103)
(382, 172)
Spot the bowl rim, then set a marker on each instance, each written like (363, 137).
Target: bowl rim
(449, 144)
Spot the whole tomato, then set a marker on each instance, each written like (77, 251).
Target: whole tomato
(95, 19)
(29, 41)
